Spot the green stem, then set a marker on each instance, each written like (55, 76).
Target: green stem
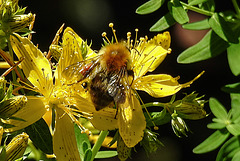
(198, 10)
(154, 104)
(98, 144)
(11, 56)
(236, 7)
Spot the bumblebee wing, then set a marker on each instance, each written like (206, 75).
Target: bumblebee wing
(119, 83)
(74, 50)
(131, 121)
(79, 71)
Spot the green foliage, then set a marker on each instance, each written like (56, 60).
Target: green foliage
(40, 135)
(223, 35)
(226, 124)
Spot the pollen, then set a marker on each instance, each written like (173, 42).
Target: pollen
(111, 25)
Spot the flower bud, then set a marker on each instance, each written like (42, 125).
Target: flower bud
(122, 149)
(150, 142)
(56, 51)
(12, 105)
(2, 88)
(19, 22)
(16, 148)
(190, 107)
(179, 126)
(1, 134)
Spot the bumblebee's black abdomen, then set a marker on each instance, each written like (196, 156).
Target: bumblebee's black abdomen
(99, 93)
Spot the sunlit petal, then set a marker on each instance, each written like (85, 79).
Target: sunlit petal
(31, 112)
(131, 121)
(35, 66)
(147, 56)
(160, 85)
(105, 119)
(64, 141)
(73, 51)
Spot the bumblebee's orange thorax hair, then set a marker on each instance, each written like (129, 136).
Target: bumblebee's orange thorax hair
(115, 57)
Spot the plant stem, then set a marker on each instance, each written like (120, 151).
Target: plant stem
(198, 10)
(236, 7)
(154, 104)
(11, 56)
(98, 144)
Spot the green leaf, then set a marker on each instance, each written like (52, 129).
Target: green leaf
(231, 88)
(236, 156)
(216, 125)
(208, 5)
(40, 135)
(159, 118)
(234, 58)
(196, 2)
(88, 155)
(235, 104)
(82, 141)
(150, 6)
(178, 12)
(212, 142)
(228, 149)
(218, 109)
(222, 28)
(210, 46)
(163, 23)
(199, 25)
(3, 153)
(106, 154)
(234, 129)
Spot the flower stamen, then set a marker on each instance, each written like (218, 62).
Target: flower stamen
(114, 31)
(104, 35)
(136, 42)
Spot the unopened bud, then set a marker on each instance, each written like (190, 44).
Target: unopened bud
(19, 22)
(11, 106)
(190, 107)
(1, 134)
(16, 148)
(122, 149)
(179, 126)
(56, 51)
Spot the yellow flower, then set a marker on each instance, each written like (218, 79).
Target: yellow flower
(145, 56)
(53, 94)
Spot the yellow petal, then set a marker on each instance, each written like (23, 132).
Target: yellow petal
(32, 112)
(64, 141)
(72, 50)
(35, 66)
(105, 119)
(131, 121)
(146, 58)
(80, 103)
(163, 40)
(160, 85)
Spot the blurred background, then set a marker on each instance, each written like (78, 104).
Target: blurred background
(89, 18)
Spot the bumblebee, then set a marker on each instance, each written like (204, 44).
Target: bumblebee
(109, 75)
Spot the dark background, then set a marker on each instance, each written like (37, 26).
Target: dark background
(89, 18)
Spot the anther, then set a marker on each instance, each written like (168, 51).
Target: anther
(104, 34)
(128, 39)
(136, 30)
(155, 128)
(111, 25)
